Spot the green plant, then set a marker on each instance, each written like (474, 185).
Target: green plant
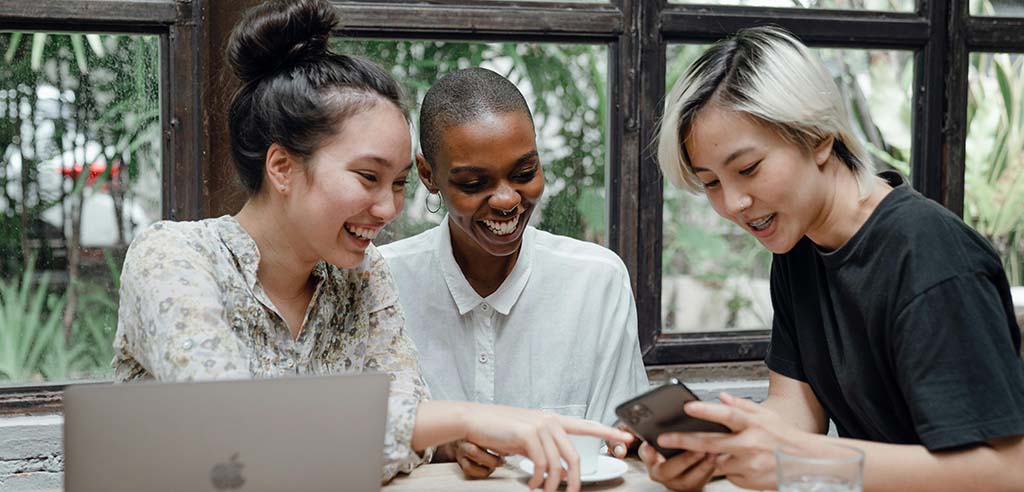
(30, 322)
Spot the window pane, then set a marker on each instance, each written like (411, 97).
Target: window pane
(565, 86)
(714, 274)
(882, 5)
(998, 8)
(994, 176)
(80, 144)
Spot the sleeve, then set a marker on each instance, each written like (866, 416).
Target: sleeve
(783, 353)
(390, 350)
(171, 321)
(957, 365)
(621, 374)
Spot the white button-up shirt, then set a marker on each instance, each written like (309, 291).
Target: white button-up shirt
(559, 334)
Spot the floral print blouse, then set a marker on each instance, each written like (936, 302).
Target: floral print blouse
(192, 309)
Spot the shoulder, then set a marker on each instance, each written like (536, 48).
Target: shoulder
(420, 244)
(167, 239)
(925, 235)
(562, 252)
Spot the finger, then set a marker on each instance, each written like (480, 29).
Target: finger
(589, 428)
(741, 403)
(649, 455)
(705, 442)
(480, 456)
(554, 468)
(678, 465)
(618, 450)
(535, 451)
(571, 457)
(473, 470)
(696, 476)
(735, 419)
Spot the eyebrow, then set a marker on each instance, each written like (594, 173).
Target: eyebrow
(728, 160)
(380, 161)
(523, 159)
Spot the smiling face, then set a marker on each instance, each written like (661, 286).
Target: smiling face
(489, 175)
(769, 186)
(351, 187)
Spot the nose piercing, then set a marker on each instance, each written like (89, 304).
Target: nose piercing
(506, 213)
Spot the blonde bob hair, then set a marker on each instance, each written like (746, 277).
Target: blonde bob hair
(766, 73)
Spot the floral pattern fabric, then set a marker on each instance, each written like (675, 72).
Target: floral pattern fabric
(192, 308)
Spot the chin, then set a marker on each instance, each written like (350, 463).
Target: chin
(347, 260)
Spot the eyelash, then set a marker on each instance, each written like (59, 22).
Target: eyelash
(745, 172)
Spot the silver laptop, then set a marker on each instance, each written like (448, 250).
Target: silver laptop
(323, 433)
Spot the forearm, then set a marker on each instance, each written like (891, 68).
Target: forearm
(439, 422)
(912, 468)
(796, 414)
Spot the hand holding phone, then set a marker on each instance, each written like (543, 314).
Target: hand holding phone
(660, 410)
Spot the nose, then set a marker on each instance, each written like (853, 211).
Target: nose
(505, 198)
(737, 200)
(387, 205)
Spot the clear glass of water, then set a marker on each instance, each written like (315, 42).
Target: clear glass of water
(835, 468)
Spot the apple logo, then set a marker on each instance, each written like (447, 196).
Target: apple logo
(227, 475)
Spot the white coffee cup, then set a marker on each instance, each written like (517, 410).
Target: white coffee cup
(587, 447)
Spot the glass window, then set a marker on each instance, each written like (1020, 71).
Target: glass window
(998, 8)
(881, 5)
(714, 274)
(994, 176)
(565, 86)
(80, 145)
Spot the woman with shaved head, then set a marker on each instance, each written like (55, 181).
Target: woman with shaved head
(503, 312)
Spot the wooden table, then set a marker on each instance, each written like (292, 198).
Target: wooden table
(447, 477)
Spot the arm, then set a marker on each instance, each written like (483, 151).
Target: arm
(620, 373)
(390, 350)
(795, 402)
(171, 322)
(757, 431)
(540, 436)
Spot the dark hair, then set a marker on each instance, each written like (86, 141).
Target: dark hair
(295, 91)
(462, 96)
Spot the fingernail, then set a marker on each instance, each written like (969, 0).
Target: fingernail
(620, 449)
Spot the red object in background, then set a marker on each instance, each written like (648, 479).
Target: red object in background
(95, 170)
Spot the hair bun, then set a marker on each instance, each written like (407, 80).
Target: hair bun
(278, 34)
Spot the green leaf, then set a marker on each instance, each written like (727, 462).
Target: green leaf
(38, 44)
(79, 48)
(13, 47)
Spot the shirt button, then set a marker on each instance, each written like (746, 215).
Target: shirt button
(288, 364)
(187, 345)
(483, 358)
(484, 307)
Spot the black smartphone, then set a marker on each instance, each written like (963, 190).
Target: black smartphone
(660, 410)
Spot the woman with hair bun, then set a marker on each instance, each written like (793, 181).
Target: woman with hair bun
(292, 284)
(893, 319)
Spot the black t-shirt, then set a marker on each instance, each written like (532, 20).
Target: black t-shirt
(906, 333)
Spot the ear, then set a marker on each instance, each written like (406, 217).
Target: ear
(824, 150)
(280, 167)
(426, 172)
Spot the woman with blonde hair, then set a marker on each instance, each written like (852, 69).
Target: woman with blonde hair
(893, 318)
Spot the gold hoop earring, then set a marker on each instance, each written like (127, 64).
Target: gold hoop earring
(427, 200)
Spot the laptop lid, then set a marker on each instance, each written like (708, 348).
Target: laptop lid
(323, 433)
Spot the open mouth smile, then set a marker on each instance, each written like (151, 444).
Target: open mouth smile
(363, 233)
(762, 223)
(502, 228)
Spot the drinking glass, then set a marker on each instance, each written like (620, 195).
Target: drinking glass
(834, 468)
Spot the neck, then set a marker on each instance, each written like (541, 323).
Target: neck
(283, 272)
(844, 211)
(484, 271)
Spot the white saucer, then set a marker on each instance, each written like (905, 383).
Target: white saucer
(608, 468)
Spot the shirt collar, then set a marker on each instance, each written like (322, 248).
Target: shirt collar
(245, 251)
(465, 297)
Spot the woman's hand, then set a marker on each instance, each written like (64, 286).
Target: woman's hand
(687, 471)
(476, 462)
(542, 437)
(745, 456)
